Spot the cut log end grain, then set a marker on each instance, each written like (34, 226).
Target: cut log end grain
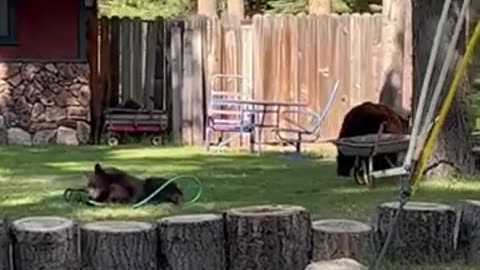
(341, 226)
(42, 224)
(118, 226)
(192, 242)
(119, 245)
(419, 206)
(342, 238)
(266, 210)
(188, 219)
(45, 242)
(276, 237)
(338, 264)
(425, 232)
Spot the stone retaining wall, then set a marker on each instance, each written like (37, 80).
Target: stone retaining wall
(43, 103)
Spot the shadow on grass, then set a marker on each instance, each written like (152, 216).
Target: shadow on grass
(32, 181)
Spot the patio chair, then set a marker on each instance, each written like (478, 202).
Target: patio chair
(225, 116)
(305, 134)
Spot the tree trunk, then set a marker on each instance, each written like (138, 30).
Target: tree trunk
(192, 242)
(339, 238)
(119, 245)
(473, 18)
(207, 8)
(43, 243)
(425, 232)
(395, 83)
(452, 150)
(236, 8)
(4, 246)
(274, 237)
(319, 6)
(469, 231)
(338, 264)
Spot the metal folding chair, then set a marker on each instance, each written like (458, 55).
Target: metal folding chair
(224, 115)
(305, 134)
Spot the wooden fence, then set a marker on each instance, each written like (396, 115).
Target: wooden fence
(287, 58)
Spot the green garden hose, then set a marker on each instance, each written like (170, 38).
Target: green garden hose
(81, 196)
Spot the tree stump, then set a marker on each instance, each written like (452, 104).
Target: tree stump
(469, 231)
(189, 242)
(425, 232)
(4, 246)
(338, 264)
(341, 238)
(43, 243)
(119, 245)
(271, 237)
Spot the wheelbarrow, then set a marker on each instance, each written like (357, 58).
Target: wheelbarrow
(364, 148)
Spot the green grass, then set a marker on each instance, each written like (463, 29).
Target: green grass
(32, 181)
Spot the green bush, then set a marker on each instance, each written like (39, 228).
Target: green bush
(149, 9)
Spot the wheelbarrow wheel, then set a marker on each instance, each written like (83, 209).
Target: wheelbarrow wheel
(360, 174)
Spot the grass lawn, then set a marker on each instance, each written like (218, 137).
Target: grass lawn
(33, 180)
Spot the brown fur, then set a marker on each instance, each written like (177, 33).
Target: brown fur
(114, 185)
(366, 118)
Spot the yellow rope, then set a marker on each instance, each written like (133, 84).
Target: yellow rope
(432, 136)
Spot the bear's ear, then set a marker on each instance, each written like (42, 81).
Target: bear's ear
(98, 169)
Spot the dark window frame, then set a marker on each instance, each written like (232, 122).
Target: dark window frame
(11, 38)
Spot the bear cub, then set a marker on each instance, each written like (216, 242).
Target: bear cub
(112, 185)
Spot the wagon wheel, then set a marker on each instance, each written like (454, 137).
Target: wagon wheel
(113, 139)
(156, 140)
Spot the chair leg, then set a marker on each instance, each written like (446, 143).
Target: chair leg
(207, 139)
(299, 144)
(252, 141)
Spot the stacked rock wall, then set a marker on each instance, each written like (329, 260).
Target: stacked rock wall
(44, 103)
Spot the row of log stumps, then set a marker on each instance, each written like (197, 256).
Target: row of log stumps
(426, 233)
(270, 237)
(260, 237)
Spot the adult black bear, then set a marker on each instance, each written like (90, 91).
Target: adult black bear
(114, 185)
(366, 118)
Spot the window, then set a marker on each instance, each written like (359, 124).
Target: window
(7, 34)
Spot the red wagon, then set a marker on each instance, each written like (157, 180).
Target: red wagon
(138, 123)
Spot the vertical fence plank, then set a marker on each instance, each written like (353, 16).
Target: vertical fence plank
(168, 99)
(114, 62)
(159, 87)
(137, 67)
(177, 75)
(150, 62)
(198, 98)
(143, 95)
(188, 86)
(126, 54)
(104, 74)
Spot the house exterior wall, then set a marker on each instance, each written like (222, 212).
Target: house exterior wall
(44, 103)
(44, 76)
(45, 30)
